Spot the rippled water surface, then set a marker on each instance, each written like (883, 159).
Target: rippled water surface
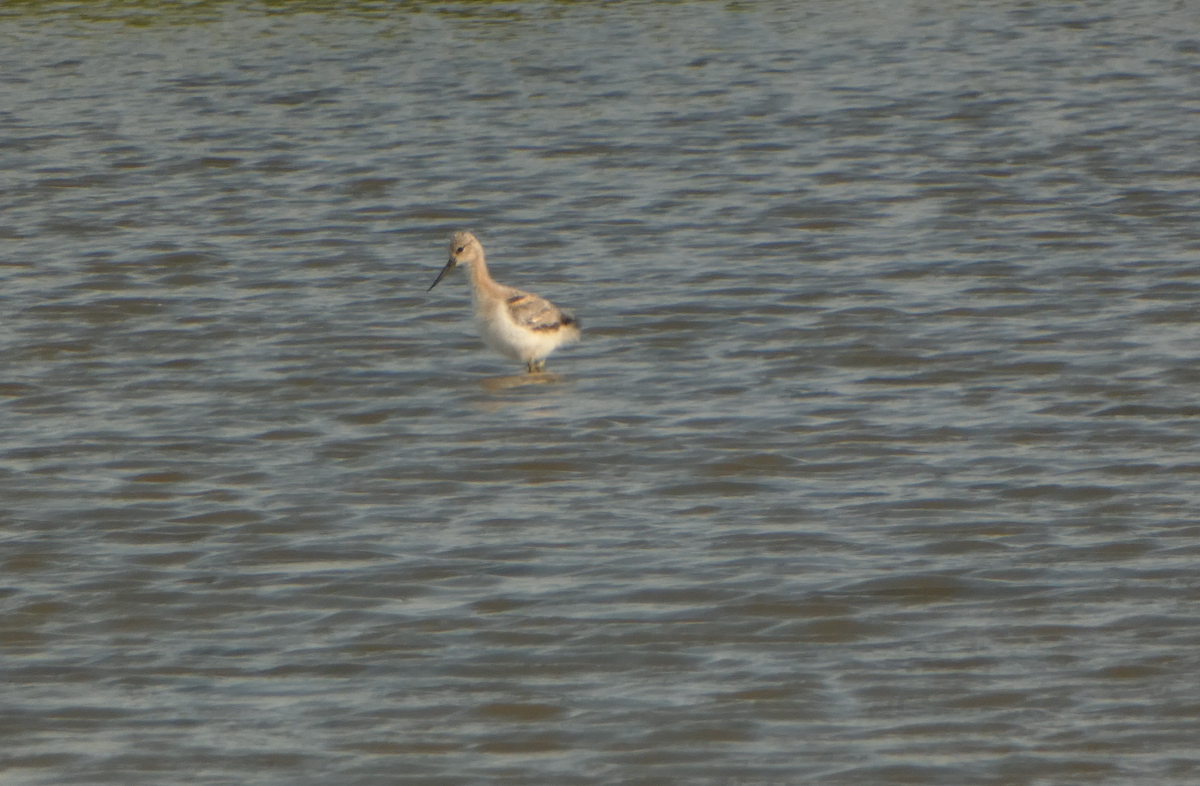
(878, 462)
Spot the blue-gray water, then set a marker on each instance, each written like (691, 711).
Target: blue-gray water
(879, 462)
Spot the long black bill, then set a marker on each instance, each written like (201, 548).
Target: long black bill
(449, 266)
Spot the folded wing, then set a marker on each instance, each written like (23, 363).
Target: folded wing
(535, 313)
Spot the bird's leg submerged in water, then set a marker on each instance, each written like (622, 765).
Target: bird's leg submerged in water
(537, 366)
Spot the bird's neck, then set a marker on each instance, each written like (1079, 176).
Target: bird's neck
(481, 283)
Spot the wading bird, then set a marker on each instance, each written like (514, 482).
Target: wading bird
(516, 324)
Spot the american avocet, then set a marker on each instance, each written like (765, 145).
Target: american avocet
(514, 323)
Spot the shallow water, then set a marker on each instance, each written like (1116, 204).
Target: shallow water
(877, 463)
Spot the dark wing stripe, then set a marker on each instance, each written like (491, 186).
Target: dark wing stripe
(566, 319)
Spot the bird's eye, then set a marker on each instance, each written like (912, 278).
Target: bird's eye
(459, 250)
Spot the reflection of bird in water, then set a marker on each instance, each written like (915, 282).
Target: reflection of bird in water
(516, 324)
